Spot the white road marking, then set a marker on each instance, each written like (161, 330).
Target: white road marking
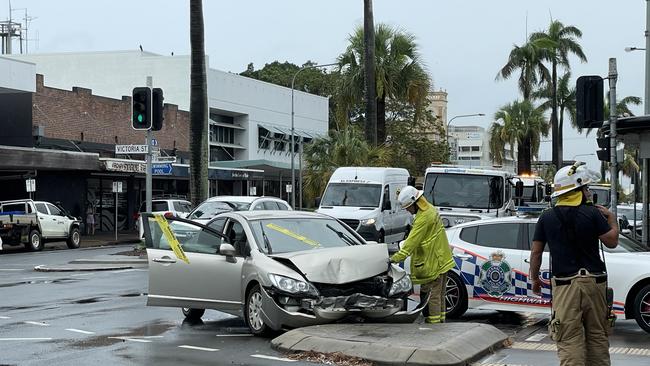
(79, 331)
(4, 317)
(234, 335)
(536, 338)
(12, 269)
(37, 323)
(199, 348)
(81, 274)
(274, 358)
(131, 339)
(25, 339)
(425, 328)
(35, 278)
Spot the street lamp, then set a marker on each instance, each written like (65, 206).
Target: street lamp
(459, 116)
(293, 142)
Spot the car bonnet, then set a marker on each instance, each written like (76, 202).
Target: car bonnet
(339, 265)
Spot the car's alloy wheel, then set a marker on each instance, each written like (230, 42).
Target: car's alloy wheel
(455, 296)
(193, 314)
(253, 312)
(74, 239)
(642, 308)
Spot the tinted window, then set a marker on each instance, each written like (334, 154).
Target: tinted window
(270, 205)
(217, 224)
(40, 207)
(181, 206)
(258, 207)
(468, 235)
(194, 239)
(464, 191)
(159, 206)
(237, 237)
(54, 210)
(498, 236)
(283, 206)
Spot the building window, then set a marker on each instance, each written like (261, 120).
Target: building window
(464, 148)
(278, 143)
(222, 134)
(264, 138)
(222, 119)
(476, 148)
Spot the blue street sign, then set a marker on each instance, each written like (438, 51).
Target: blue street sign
(161, 169)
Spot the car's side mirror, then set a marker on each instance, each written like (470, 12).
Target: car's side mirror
(519, 189)
(229, 251)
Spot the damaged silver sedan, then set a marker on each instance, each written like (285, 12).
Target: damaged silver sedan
(276, 269)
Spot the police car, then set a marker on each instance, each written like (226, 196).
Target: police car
(492, 265)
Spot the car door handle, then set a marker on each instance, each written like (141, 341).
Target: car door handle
(463, 256)
(164, 260)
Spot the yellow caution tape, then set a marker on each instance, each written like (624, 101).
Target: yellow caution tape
(296, 236)
(171, 238)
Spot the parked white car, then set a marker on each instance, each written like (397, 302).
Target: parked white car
(170, 207)
(216, 205)
(492, 265)
(33, 223)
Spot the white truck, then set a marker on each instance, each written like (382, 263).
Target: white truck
(466, 194)
(33, 223)
(534, 190)
(365, 198)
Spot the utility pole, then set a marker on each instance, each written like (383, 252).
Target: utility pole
(148, 179)
(613, 169)
(646, 110)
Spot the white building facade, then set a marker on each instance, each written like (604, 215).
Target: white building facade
(470, 146)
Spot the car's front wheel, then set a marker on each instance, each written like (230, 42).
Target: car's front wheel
(455, 296)
(253, 312)
(74, 239)
(642, 308)
(193, 314)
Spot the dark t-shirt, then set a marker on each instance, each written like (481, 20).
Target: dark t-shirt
(568, 257)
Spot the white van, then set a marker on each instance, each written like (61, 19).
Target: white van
(366, 200)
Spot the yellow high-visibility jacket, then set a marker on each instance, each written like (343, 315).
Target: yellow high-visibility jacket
(427, 245)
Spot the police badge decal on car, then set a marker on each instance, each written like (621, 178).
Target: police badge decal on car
(496, 276)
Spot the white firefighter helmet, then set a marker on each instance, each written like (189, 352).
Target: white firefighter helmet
(572, 177)
(408, 195)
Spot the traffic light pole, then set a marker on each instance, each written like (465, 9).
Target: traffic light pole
(613, 169)
(148, 179)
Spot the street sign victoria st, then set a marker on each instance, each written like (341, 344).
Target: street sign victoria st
(161, 169)
(131, 149)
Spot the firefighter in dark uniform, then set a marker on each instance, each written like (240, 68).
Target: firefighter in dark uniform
(580, 319)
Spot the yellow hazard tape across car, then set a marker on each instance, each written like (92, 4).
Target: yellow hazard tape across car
(294, 235)
(171, 238)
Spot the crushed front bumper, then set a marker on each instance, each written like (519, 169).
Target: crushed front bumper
(329, 309)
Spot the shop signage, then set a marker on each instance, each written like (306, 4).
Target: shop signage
(243, 175)
(126, 167)
(161, 169)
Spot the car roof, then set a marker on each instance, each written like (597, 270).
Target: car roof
(277, 214)
(244, 199)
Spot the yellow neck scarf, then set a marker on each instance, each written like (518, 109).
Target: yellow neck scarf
(573, 199)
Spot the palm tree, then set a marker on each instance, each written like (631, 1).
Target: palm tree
(566, 100)
(520, 124)
(341, 148)
(198, 107)
(559, 42)
(369, 67)
(399, 72)
(528, 59)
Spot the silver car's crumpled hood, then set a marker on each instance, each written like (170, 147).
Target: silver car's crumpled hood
(340, 265)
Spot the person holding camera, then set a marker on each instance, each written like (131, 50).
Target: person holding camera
(580, 319)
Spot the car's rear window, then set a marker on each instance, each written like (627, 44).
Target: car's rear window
(155, 206)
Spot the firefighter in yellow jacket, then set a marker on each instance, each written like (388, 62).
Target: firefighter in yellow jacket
(429, 250)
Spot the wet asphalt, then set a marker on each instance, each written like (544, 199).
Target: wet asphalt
(90, 318)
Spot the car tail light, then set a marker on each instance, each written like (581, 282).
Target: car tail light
(136, 216)
(169, 214)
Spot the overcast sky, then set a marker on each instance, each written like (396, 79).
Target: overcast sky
(463, 43)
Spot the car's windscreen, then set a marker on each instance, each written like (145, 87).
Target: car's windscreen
(208, 210)
(602, 194)
(464, 191)
(352, 194)
(238, 206)
(298, 234)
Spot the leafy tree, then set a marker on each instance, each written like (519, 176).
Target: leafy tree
(341, 148)
(528, 59)
(399, 73)
(198, 107)
(518, 123)
(566, 100)
(559, 42)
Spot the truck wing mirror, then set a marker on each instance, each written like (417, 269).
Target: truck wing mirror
(519, 189)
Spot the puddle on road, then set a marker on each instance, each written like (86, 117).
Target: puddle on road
(148, 330)
(40, 282)
(91, 300)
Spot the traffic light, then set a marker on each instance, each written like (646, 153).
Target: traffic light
(141, 108)
(604, 154)
(158, 112)
(589, 102)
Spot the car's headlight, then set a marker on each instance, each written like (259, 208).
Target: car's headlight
(400, 286)
(292, 286)
(368, 222)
